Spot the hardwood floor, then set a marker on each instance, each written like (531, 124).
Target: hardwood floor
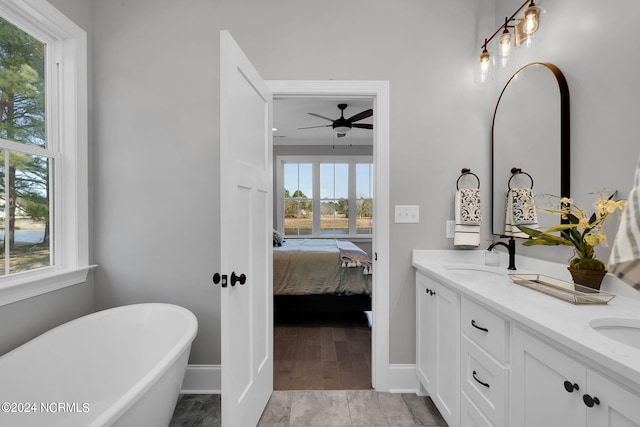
(320, 351)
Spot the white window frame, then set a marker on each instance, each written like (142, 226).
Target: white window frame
(67, 136)
(316, 161)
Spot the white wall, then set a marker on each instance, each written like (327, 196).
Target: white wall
(156, 130)
(156, 123)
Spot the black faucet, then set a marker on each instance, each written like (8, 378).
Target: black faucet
(512, 251)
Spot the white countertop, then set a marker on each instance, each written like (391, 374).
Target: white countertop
(563, 322)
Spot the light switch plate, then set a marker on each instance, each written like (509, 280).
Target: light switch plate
(407, 214)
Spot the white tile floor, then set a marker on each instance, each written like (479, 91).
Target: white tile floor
(319, 409)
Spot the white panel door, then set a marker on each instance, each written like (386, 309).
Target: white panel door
(547, 385)
(614, 405)
(246, 240)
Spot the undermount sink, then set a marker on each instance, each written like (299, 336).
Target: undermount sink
(625, 331)
(475, 268)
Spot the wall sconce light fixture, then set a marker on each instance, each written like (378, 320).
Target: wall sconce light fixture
(523, 29)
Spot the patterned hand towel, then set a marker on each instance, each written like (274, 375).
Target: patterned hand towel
(467, 218)
(520, 209)
(625, 254)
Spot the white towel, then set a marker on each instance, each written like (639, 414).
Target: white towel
(519, 210)
(624, 261)
(467, 205)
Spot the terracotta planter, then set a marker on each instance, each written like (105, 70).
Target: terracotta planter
(590, 278)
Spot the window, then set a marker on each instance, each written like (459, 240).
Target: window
(325, 197)
(43, 150)
(25, 214)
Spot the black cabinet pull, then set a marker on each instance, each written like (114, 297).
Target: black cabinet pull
(473, 323)
(480, 382)
(430, 292)
(570, 387)
(590, 401)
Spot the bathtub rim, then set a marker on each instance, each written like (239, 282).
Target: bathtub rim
(121, 404)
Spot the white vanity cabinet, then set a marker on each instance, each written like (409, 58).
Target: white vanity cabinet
(484, 365)
(438, 345)
(551, 387)
(491, 353)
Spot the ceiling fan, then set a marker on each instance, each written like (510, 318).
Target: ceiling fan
(342, 125)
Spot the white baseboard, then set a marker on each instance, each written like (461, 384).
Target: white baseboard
(206, 379)
(202, 379)
(403, 379)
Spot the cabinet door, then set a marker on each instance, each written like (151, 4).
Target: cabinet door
(438, 345)
(425, 332)
(616, 407)
(447, 396)
(539, 397)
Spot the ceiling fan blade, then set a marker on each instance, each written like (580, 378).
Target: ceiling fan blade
(312, 127)
(360, 116)
(362, 125)
(322, 117)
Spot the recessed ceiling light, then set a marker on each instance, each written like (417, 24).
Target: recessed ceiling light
(275, 129)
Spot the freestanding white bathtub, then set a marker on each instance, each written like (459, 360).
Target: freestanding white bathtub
(122, 367)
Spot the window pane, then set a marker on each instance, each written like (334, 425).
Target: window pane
(26, 222)
(364, 202)
(298, 180)
(364, 180)
(334, 181)
(364, 219)
(22, 86)
(298, 217)
(334, 216)
(298, 205)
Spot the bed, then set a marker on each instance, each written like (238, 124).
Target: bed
(321, 274)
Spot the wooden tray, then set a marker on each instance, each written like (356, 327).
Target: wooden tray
(566, 291)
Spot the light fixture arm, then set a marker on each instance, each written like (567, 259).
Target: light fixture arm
(529, 3)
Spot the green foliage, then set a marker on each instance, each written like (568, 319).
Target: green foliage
(297, 205)
(22, 120)
(587, 264)
(578, 229)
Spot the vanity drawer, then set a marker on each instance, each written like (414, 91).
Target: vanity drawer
(487, 329)
(485, 382)
(470, 415)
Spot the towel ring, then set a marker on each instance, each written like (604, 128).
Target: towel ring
(518, 171)
(463, 172)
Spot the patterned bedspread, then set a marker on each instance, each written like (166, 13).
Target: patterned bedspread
(314, 266)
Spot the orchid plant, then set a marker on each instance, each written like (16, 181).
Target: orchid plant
(578, 229)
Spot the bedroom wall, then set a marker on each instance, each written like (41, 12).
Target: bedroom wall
(156, 131)
(24, 320)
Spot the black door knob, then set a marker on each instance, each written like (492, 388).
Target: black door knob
(590, 401)
(570, 387)
(235, 279)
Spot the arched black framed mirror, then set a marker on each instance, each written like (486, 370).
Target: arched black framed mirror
(530, 132)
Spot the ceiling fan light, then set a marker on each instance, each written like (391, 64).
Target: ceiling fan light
(341, 129)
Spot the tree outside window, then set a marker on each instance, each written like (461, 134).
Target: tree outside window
(25, 220)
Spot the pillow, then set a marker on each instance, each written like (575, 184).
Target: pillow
(277, 238)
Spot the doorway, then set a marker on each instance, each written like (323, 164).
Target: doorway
(378, 93)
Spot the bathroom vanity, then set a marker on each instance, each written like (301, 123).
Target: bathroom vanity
(490, 352)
